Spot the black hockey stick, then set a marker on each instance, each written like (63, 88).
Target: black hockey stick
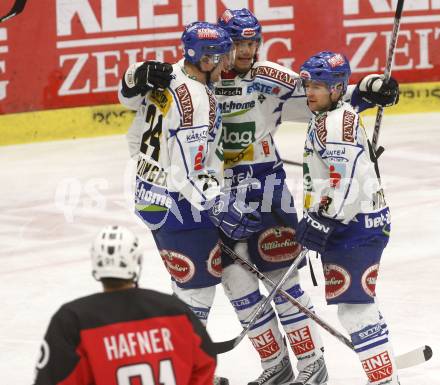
(15, 10)
(406, 360)
(226, 346)
(292, 162)
(379, 150)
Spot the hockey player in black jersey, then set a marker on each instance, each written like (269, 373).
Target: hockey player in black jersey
(125, 333)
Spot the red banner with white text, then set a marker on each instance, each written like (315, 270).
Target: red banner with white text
(68, 53)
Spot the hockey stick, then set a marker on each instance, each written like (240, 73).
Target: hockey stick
(225, 346)
(406, 360)
(292, 162)
(387, 74)
(15, 10)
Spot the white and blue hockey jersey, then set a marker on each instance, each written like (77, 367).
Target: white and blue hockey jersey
(340, 180)
(251, 106)
(176, 137)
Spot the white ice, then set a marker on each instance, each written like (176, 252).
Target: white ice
(55, 196)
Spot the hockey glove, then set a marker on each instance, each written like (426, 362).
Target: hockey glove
(141, 78)
(373, 89)
(313, 231)
(236, 219)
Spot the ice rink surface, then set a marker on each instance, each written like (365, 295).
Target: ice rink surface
(55, 196)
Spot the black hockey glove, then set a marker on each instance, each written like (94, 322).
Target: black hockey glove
(313, 231)
(374, 90)
(153, 74)
(142, 77)
(235, 218)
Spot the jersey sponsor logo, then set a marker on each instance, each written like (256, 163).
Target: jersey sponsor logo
(236, 108)
(215, 261)
(264, 88)
(139, 343)
(378, 221)
(348, 126)
(212, 112)
(231, 158)
(151, 173)
(321, 130)
(336, 173)
(301, 340)
(265, 147)
(277, 244)
(336, 60)
(238, 136)
(336, 155)
(228, 91)
(265, 344)
(147, 200)
(369, 279)
(273, 73)
(186, 105)
(337, 281)
(198, 157)
(378, 367)
(162, 99)
(197, 136)
(180, 267)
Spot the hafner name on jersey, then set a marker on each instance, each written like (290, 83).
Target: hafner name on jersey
(144, 342)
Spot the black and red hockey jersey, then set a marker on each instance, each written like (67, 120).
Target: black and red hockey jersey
(126, 337)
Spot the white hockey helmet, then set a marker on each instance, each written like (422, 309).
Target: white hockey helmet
(116, 254)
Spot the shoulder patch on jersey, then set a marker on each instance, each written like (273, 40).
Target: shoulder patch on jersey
(186, 105)
(161, 99)
(273, 73)
(321, 129)
(348, 126)
(212, 109)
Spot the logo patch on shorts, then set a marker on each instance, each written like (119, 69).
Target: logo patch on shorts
(369, 279)
(180, 267)
(277, 244)
(215, 261)
(337, 281)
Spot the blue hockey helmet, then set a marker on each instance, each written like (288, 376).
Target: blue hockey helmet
(202, 38)
(328, 67)
(241, 24)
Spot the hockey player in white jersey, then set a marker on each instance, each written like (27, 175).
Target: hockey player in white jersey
(252, 96)
(346, 217)
(176, 137)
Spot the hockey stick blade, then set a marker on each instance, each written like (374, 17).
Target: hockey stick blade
(414, 357)
(15, 10)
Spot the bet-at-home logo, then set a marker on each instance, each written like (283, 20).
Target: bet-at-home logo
(238, 136)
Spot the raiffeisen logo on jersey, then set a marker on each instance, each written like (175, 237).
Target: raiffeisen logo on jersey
(236, 108)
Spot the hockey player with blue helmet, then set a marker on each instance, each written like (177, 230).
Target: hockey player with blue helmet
(176, 140)
(346, 217)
